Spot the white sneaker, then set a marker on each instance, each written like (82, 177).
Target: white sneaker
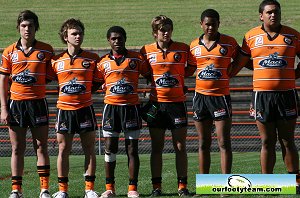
(108, 193)
(45, 194)
(90, 194)
(133, 194)
(16, 194)
(60, 194)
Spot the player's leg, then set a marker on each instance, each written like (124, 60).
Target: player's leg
(286, 138)
(17, 137)
(223, 128)
(204, 130)
(64, 141)
(40, 143)
(88, 146)
(179, 144)
(157, 144)
(268, 137)
(131, 146)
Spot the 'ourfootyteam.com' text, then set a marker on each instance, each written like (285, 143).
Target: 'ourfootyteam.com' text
(245, 189)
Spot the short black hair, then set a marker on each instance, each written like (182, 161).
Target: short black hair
(210, 13)
(267, 2)
(116, 29)
(28, 15)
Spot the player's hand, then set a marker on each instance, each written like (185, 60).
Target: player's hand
(4, 116)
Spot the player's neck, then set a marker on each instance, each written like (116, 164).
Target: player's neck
(163, 45)
(73, 51)
(272, 29)
(26, 44)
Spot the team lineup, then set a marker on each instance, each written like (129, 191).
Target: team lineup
(213, 58)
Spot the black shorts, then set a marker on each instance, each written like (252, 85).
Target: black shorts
(268, 106)
(168, 115)
(118, 118)
(28, 113)
(76, 121)
(211, 107)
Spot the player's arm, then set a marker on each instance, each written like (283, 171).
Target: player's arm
(4, 79)
(238, 63)
(96, 86)
(297, 70)
(189, 70)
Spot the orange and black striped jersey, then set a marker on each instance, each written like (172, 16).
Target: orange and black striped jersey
(168, 71)
(121, 77)
(212, 64)
(28, 71)
(75, 77)
(273, 58)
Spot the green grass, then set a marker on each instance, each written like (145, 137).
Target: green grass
(246, 163)
(135, 16)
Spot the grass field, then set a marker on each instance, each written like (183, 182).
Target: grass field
(246, 163)
(135, 16)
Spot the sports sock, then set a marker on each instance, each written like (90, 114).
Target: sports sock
(89, 182)
(63, 184)
(16, 183)
(44, 173)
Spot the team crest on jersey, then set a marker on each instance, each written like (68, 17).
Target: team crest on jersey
(86, 64)
(177, 57)
(132, 64)
(152, 58)
(40, 56)
(288, 40)
(273, 61)
(60, 65)
(259, 41)
(14, 57)
(24, 78)
(223, 50)
(210, 73)
(167, 80)
(122, 87)
(73, 87)
(198, 51)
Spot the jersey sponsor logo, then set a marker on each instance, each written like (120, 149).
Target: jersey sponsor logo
(210, 73)
(273, 61)
(167, 80)
(73, 87)
(121, 87)
(198, 51)
(288, 40)
(259, 41)
(24, 78)
(86, 64)
(223, 51)
(152, 58)
(60, 65)
(40, 56)
(14, 57)
(177, 57)
(132, 64)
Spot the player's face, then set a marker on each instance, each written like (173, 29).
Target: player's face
(27, 30)
(164, 34)
(117, 42)
(75, 37)
(210, 26)
(271, 16)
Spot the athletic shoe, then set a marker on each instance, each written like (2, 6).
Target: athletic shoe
(45, 194)
(156, 192)
(183, 192)
(133, 194)
(16, 194)
(108, 193)
(90, 194)
(60, 194)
